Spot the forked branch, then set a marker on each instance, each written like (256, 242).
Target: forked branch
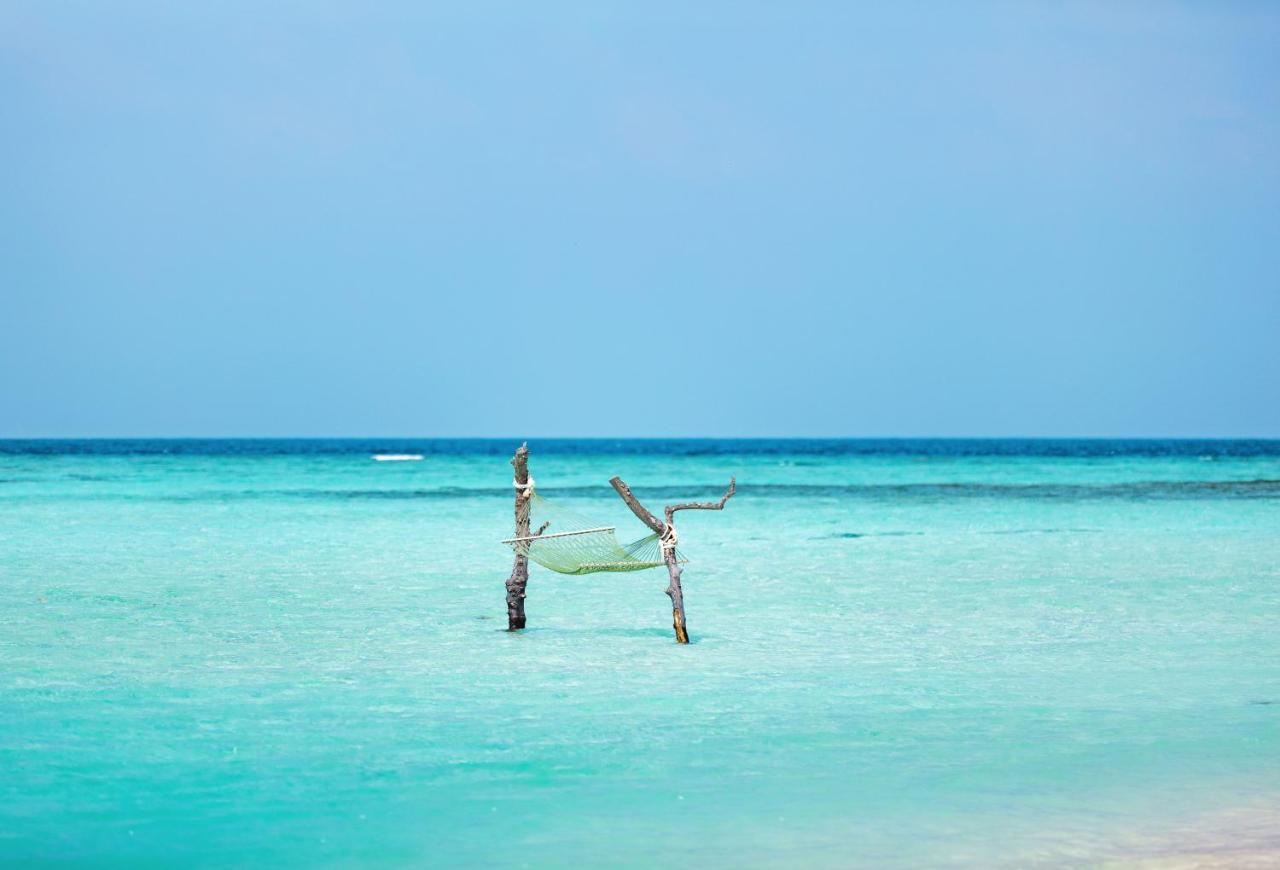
(667, 532)
(702, 505)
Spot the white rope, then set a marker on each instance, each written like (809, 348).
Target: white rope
(527, 487)
(669, 538)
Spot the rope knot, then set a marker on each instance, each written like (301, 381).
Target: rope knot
(668, 538)
(526, 489)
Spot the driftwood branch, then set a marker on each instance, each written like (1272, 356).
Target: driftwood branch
(702, 505)
(667, 532)
(636, 508)
(519, 578)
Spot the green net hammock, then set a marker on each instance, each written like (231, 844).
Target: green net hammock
(567, 544)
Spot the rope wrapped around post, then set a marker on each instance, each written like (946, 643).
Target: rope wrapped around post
(668, 539)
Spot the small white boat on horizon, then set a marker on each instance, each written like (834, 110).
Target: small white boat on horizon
(396, 457)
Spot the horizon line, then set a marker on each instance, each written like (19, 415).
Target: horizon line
(640, 437)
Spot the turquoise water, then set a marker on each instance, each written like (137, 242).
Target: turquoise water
(905, 653)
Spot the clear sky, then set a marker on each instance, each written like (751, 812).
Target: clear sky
(639, 219)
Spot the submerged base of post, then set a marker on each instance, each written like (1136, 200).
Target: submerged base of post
(677, 622)
(515, 597)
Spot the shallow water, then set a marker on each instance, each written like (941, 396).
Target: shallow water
(939, 652)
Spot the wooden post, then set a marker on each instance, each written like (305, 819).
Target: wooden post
(666, 532)
(519, 578)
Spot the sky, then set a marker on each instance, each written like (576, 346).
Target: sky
(639, 219)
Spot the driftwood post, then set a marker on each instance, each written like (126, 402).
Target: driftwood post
(666, 532)
(519, 578)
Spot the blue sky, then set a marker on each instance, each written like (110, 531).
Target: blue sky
(640, 219)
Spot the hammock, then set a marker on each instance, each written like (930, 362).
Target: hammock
(569, 544)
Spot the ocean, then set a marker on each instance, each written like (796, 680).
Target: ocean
(904, 653)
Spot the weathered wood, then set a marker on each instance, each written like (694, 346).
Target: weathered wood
(519, 579)
(667, 535)
(634, 503)
(704, 505)
(676, 594)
